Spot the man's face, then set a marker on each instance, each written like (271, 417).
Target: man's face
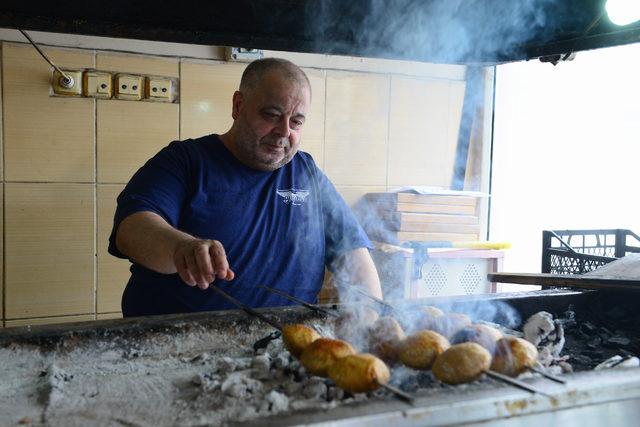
(269, 120)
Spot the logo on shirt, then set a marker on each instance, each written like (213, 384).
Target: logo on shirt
(293, 196)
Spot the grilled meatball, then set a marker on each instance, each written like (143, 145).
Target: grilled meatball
(318, 356)
(355, 323)
(484, 335)
(513, 356)
(419, 350)
(450, 323)
(462, 363)
(298, 336)
(384, 337)
(359, 373)
(427, 317)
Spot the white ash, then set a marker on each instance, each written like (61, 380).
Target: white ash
(207, 381)
(293, 388)
(201, 358)
(275, 403)
(546, 334)
(282, 360)
(240, 384)
(261, 366)
(617, 362)
(625, 268)
(230, 364)
(315, 388)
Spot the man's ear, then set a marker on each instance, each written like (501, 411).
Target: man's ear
(238, 99)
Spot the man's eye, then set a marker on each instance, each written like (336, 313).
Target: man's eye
(295, 124)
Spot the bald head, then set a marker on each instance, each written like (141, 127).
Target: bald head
(257, 70)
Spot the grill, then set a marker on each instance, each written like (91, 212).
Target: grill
(166, 371)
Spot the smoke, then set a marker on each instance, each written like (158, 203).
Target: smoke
(446, 31)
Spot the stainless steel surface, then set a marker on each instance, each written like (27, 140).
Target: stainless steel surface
(590, 398)
(594, 398)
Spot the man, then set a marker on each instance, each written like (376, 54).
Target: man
(240, 209)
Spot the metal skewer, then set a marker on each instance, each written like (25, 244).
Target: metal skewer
(376, 299)
(516, 383)
(399, 393)
(299, 301)
(547, 375)
(246, 308)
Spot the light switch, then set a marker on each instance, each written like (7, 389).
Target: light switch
(128, 86)
(73, 87)
(159, 89)
(97, 84)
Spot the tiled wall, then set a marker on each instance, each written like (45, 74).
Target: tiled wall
(65, 160)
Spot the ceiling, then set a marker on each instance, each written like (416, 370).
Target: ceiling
(444, 31)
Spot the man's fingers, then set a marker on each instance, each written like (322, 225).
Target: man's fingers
(203, 261)
(192, 269)
(183, 270)
(220, 263)
(200, 262)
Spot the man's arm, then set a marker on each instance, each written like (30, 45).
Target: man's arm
(149, 240)
(356, 267)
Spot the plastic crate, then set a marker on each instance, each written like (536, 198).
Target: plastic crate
(581, 251)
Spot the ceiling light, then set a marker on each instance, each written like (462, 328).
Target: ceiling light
(623, 12)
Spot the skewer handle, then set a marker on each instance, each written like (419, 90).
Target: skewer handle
(516, 383)
(246, 308)
(399, 393)
(546, 375)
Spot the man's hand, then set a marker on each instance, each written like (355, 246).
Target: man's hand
(149, 240)
(199, 262)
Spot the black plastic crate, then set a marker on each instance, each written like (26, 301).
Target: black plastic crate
(581, 251)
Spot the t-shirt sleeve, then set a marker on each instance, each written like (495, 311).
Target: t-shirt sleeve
(342, 230)
(160, 186)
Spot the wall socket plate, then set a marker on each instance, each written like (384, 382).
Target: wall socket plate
(159, 89)
(128, 86)
(61, 90)
(241, 54)
(97, 84)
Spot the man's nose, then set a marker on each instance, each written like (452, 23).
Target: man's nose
(282, 129)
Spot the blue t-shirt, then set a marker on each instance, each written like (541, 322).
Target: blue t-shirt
(278, 228)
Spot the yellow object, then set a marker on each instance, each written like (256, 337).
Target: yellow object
(481, 245)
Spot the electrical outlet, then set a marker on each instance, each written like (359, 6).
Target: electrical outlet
(62, 87)
(241, 54)
(159, 89)
(97, 84)
(128, 86)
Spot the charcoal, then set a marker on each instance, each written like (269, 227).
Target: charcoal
(582, 360)
(595, 343)
(616, 313)
(604, 330)
(618, 341)
(587, 327)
